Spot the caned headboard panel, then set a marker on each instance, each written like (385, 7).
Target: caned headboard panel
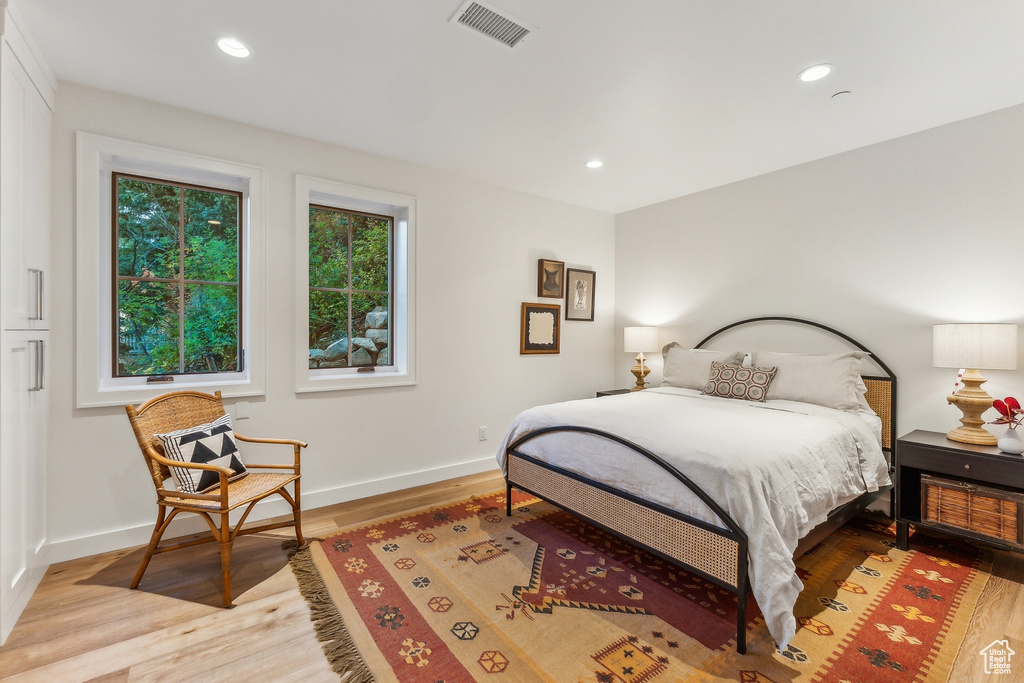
(880, 396)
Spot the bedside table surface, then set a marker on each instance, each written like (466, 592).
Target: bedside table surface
(612, 392)
(939, 440)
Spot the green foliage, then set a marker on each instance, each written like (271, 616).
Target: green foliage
(147, 328)
(328, 248)
(152, 218)
(147, 229)
(370, 259)
(211, 248)
(211, 328)
(328, 318)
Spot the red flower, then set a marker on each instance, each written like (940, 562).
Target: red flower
(1009, 411)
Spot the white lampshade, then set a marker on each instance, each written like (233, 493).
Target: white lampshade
(640, 339)
(980, 346)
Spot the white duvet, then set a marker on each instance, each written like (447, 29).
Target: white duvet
(777, 468)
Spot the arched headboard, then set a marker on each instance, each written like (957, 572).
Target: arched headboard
(881, 394)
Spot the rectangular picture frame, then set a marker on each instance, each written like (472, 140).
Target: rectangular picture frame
(550, 278)
(579, 294)
(539, 328)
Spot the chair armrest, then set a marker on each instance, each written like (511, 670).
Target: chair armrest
(223, 471)
(296, 445)
(253, 439)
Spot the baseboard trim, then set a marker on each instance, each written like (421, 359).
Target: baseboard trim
(117, 539)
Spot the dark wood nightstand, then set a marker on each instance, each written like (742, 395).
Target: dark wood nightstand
(972, 491)
(612, 392)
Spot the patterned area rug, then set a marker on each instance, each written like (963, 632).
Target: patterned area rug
(463, 593)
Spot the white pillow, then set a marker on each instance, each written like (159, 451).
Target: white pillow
(862, 400)
(690, 368)
(829, 381)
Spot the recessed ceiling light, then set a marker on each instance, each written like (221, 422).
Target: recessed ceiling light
(235, 48)
(595, 164)
(816, 72)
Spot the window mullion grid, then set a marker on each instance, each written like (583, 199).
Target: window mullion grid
(347, 289)
(181, 280)
(348, 284)
(391, 284)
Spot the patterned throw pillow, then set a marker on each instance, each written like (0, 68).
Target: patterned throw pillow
(212, 443)
(736, 381)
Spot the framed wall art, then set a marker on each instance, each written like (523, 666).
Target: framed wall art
(579, 294)
(539, 328)
(550, 278)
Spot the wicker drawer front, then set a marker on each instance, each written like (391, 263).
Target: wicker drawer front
(983, 511)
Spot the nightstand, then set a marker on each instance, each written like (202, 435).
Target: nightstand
(976, 492)
(612, 392)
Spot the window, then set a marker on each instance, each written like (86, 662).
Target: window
(354, 271)
(349, 288)
(169, 256)
(176, 277)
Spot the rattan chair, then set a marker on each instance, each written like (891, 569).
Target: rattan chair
(183, 409)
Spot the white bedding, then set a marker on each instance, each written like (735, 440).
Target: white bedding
(777, 468)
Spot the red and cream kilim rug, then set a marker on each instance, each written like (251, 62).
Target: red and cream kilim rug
(461, 592)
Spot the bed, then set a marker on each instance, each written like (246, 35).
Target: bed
(730, 490)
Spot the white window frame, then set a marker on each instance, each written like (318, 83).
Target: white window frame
(401, 318)
(98, 158)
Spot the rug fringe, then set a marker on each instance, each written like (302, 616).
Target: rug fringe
(342, 653)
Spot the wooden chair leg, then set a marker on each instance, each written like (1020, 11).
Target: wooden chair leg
(298, 516)
(224, 541)
(154, 540)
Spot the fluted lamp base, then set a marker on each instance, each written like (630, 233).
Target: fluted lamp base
(972, 401)
(640, 371)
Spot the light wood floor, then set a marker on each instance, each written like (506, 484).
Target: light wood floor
(83, 624)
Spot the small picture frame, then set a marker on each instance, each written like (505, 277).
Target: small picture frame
(579, 294)
(550, 278)
(540, 328)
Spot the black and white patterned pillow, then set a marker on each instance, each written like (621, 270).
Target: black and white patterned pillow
(213, 444)
(736, 381)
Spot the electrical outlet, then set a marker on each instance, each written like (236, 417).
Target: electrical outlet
(483, 433)
(241, 410)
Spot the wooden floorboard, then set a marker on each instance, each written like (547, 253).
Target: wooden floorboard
(83, 624)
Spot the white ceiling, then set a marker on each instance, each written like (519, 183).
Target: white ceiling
(675, 96)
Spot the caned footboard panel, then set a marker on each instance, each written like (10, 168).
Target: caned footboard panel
(712, 553)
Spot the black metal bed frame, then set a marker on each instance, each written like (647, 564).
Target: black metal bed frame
(732, 531)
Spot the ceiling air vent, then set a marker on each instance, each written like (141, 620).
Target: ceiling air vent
(492, 22)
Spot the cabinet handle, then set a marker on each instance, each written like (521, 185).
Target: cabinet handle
(967, 467)
(42, 281)
(39, 352)
(37, 275)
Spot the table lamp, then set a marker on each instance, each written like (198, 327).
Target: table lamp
(637, 340)
(974, 346)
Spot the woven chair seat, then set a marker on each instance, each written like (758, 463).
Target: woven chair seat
(250, 487)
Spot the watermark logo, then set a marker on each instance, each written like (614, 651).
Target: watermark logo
(997, 657)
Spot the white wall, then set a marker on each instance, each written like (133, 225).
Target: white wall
(880, 243)
(477, 261)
